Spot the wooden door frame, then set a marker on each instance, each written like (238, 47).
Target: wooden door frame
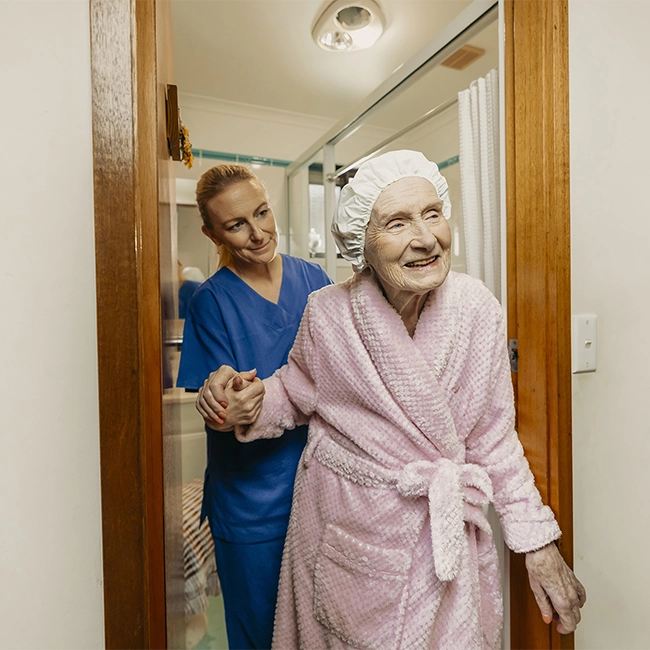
(129, 316)
(129, 324)
(539, 274)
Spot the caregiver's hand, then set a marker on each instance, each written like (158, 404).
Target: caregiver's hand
(212, 402)
(559, 594)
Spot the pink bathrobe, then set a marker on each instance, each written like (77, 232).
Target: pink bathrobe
(409, 439)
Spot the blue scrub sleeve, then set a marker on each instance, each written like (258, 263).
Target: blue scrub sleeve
(206, 345)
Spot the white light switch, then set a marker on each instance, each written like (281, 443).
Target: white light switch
(584, 343)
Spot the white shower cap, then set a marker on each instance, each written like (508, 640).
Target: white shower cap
(358, 197)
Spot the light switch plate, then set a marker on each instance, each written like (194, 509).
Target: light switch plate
(584, 342)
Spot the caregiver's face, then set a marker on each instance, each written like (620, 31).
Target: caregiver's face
(408, 241)
(242, 220)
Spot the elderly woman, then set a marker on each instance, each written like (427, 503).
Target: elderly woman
(403, 376)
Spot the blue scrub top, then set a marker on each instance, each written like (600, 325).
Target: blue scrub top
(248, 486)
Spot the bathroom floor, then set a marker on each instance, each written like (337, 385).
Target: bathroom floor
(215, 639)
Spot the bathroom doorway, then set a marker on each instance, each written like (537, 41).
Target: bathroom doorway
(143, 613)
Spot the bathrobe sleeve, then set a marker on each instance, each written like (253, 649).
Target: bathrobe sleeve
(291, 393)
(493, 443)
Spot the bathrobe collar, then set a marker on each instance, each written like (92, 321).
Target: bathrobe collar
(409, 368)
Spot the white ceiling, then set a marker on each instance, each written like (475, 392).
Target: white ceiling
(261, 52)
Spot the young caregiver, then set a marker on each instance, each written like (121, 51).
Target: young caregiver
(246, 316)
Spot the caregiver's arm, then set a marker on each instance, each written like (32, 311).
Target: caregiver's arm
(528, 525)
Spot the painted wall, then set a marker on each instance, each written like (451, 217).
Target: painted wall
(50, 537)
(610, 208)
(233, 127)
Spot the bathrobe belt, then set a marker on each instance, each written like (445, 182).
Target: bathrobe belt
(457, 494)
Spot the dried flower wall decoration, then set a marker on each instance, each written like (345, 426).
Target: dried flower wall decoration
(186, 146)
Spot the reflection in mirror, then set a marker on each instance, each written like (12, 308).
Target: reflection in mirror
(262, 107)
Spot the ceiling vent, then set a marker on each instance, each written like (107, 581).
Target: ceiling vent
(463, 58)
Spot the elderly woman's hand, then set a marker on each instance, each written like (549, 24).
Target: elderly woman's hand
(559, 594)
(212, 401)
(245, 399)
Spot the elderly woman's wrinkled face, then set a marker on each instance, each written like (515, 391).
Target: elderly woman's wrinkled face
(408, 241)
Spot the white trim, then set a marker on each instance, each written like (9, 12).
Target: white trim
(252, 111)
(218, 106)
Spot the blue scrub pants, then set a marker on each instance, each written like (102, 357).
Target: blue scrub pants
(249, 576)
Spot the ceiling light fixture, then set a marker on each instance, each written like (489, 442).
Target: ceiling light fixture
(349, 25)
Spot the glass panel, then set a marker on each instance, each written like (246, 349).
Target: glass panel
(318, 223)
(305, 211)
(438, 85)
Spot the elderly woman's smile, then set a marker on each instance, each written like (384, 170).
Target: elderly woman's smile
(408, 241)
(424, 264)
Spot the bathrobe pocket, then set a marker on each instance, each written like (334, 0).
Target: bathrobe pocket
(359, 590)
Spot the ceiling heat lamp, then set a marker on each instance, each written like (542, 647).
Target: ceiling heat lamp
(349, 25)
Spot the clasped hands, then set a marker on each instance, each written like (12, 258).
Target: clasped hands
(231, 400)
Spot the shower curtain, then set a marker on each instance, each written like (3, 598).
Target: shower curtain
(478, 118)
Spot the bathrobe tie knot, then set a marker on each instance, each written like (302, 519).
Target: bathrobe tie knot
(457, 494)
